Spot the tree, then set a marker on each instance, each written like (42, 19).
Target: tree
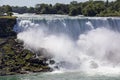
(73, 2)
(1, 11)
(107, 3)
(61, 8)
(99, 6)
(73, 11)
(30, 10)
(7, 8)
(42, 8)
(89, 10)
(9, 13)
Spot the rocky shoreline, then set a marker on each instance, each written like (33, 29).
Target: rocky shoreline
(14, 59)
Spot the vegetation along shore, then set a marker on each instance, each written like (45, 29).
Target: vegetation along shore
(88, 8)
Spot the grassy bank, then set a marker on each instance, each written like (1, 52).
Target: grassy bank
(8, 17)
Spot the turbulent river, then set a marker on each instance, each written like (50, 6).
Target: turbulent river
(84, 48)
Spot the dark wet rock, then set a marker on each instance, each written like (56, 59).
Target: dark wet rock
(52, 62)
(37, 62)
(6, 27)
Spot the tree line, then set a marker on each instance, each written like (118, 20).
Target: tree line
(88, 8)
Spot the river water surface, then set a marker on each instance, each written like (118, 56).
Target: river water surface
(61, 76)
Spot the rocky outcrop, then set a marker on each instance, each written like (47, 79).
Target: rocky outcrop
(6, 27)
(14, 59)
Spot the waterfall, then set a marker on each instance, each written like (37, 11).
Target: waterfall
(76, 43)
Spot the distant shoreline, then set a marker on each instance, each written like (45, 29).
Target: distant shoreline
(88, 8)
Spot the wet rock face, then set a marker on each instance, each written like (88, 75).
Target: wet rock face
(14, 59)
(6, 27)
(52, 62)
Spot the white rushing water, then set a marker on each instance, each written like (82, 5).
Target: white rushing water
(88, 44)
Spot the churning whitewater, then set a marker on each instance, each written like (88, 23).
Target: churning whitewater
(76, 43)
